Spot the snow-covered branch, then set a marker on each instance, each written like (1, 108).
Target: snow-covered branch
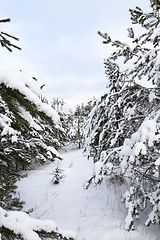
(28, 228)
(124, 119)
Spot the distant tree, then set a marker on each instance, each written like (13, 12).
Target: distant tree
(57, 102)
(44, 100)
(53, 103)
(62, 103)
(75, 122)
(78, 118)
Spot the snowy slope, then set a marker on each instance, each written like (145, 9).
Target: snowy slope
(95, 214)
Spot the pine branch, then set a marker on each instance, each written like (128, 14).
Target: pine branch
(123, 119)
(111, 153)
(117, 43)
(9, 35)
(9, 49)
(5, 20)
(6, 43)
(16, 46)
(146, 176)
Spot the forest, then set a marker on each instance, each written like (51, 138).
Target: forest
(119, 132)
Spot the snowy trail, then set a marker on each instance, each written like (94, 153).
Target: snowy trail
(95, 214)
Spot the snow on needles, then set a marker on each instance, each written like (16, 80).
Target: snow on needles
(5, 123)
(29, 87)
(22, 223)
(137, 144)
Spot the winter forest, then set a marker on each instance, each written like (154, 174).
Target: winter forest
(92, 173)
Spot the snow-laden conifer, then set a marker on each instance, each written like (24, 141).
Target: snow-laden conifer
(30, 135)
(123, 133)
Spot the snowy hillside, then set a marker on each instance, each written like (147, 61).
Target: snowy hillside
(95, 213)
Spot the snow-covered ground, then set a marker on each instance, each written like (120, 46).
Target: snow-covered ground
(95, 214)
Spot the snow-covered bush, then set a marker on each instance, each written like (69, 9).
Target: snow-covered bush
(57, 175)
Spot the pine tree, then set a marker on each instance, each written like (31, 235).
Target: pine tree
(29, 137)
(77, 123)
(123, 134)
(30, 134)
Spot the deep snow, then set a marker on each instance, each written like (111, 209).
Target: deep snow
(95, 214)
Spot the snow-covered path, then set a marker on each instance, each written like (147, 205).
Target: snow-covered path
(95, 214)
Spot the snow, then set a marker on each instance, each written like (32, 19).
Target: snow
(139, 147)
(22, 223)
(152, 96)
(5, 122)
(124, 164)
(54, 151)
(98, 168)
(28, 117)
(109, 167)
(135, 146)
(157, 162)
(14, 139)
(94, 214)
(131, 111)
(126, 151)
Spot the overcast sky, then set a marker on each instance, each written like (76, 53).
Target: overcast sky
(60, 44)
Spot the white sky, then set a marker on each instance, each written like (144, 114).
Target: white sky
(60, 44)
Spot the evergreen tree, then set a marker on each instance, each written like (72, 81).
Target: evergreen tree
(123, 135)
(30, 134)
(77, 123)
